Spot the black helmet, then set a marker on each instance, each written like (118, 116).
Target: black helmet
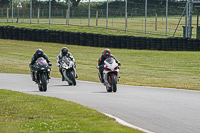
(39, 52)
(64, 51)
(106, 53)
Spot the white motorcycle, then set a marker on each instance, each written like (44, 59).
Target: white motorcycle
(110, 74)
(68, 70)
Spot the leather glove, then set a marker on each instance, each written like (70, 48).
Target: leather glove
(119, 64)
(31, 66)
(101, 67)
(50, 64)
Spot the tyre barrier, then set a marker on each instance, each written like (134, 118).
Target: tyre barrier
(6, 32)
(16, 33)
(118, 42)
(62, 40)
(83, 39)
(164, 43)
(133, 42)
(2, 35)
(21, 33)
(96, 40)
(66, 37)
(25, 34)
(77, 38)
(180, 44)
(71, 37)
(99, 40)
(159, 44)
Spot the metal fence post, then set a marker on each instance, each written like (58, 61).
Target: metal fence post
(107, 16)
(97, 18)
(7, 14)
(30, 10)
(125, 15)
(186, 21)
(166, 16)
(145, 17)
(68, 11)
(89, 14)
(49, 12)
(190, 19)
(12, 11)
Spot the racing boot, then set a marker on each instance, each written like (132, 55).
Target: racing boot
(63, 78)
(76, 76)
(48, 76)
(100, 77)
(32, 75)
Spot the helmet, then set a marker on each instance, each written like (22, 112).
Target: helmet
(64, 51)
(106, 53)
(39, 52)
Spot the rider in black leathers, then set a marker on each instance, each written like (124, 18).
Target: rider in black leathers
(38, 53)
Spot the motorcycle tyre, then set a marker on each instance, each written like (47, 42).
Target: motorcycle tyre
(109, 89)
(43, 86)
(72, 78)
(114, 84)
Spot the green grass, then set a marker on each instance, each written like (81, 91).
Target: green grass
(20, 112)
(174, 69)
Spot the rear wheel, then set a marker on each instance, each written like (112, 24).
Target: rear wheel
(114, 84)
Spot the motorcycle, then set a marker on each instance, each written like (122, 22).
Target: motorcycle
(41, 71)
(110, 74)
(68, 70)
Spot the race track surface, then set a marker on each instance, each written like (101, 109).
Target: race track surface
(159, 110)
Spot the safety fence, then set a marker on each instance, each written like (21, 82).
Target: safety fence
(137, 18)
(99, 40)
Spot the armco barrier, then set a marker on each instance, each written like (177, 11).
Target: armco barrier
(98, 40)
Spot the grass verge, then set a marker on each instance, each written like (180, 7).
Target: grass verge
(173, 69)
(20, 112)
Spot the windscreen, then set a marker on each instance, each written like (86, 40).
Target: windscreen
(110, 60)
(65, 59)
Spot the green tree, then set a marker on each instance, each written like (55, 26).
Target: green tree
(5, 2)
(74, 3)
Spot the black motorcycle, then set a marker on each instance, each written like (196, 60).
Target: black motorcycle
(41, 71)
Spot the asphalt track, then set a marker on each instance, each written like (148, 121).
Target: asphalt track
(159, 110)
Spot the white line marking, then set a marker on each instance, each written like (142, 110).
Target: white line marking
(127, 124)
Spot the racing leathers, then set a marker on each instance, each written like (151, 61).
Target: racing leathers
(100, 65)
(33, 60)
(59, 59)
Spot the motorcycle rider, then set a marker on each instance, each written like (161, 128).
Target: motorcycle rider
(38, 53)
(106, 53)
(64, 52)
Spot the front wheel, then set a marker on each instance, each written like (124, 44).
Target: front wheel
(43, 84)
(72, 78)
(114, 83)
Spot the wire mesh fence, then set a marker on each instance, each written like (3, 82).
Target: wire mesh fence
(108, 15)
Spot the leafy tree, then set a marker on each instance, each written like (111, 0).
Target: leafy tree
(5, 2)
(74, 3)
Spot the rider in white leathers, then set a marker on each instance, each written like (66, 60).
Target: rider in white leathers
(64, 52)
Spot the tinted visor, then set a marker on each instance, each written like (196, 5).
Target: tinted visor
(39, 54)
(64, 53)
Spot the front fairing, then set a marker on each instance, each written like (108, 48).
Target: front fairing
(41, 65)
(110, 65)
(110, 68)
(67, 64)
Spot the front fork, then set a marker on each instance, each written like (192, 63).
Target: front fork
(38, 76)
(107, 78)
